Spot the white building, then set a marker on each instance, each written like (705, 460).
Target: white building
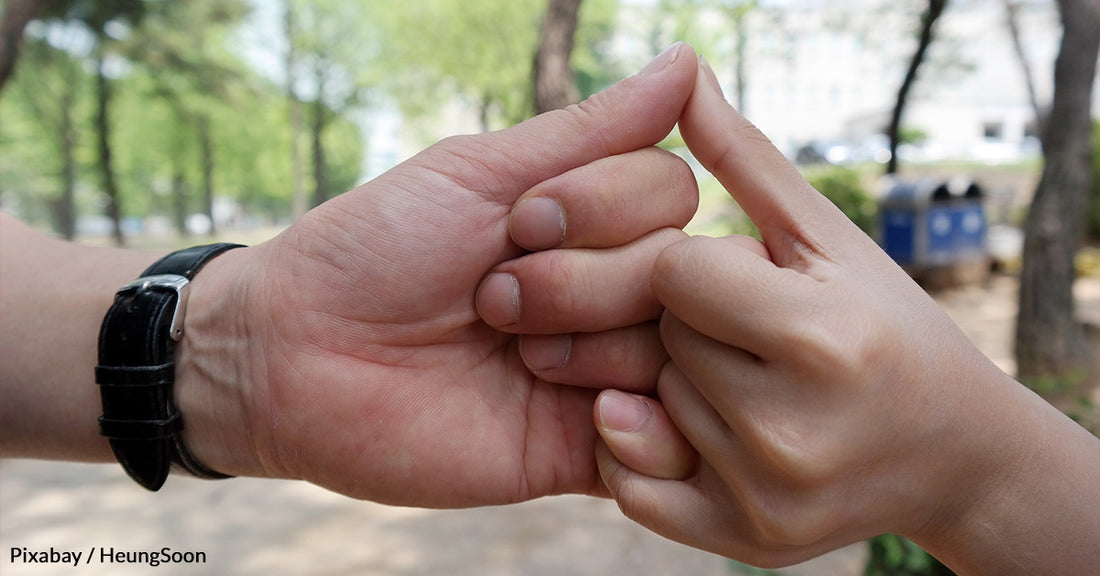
(830, 71)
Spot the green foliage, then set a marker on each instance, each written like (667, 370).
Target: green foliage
(595, 28)
(708, 25)
(48, 80)
(911, 135)
(842, 186)
(343, 157)
(482, 51)
(30, 165)
(893, 555)
(337, 47)
(150, 144)
(736, 567)
(177, 85)
(1056, 384)
(679, 20)
(253, 148)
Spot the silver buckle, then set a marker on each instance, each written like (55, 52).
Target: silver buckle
(173, 282)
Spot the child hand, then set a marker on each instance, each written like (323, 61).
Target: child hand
(824, 398)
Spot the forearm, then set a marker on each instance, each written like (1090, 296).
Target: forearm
(53, 296)
(1042, 515)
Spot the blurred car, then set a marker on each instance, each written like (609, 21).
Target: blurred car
(874, 148)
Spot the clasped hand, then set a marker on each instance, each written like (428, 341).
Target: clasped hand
(368, 369)
(441, 335)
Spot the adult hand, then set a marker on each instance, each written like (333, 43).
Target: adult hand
(824, 398)
(349, 350)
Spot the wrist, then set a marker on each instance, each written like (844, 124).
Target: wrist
(1028, 502)
(214, 367)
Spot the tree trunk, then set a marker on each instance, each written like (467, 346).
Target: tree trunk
(66, 213)
(1050, 344)
(179, 200)
(483, 109)
(103, 134)
(206, 146)
(935, 9)
(1011, 10)
(555, 86)
(15, 18)
(317, 130)
(739, 66)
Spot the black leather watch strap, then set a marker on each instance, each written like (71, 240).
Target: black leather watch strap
(136, 370)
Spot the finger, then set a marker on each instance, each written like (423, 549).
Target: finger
(627, 358)
(793, 218)
(607, 203)
(703, 513)
(744, 416)
(576, 290)
(696, 418)
(640, 434)
(717, 393)
(689, 512)
(636, 112)
(728, 289)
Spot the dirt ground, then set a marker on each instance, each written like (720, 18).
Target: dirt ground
(252, 526)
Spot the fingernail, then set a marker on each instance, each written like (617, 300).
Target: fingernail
(622, 412)
(545, 352)
(498, 299)
(711, 77)
(663, 60)
(538, 223)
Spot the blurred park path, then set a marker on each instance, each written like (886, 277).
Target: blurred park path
(252, 526)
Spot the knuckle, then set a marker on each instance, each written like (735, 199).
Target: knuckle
(588, 119)
(676, 258)
(566, 288)
(800, 454)
(624, 487)
(827, 350)
(837, 348)
(786, 522)
(665, 237)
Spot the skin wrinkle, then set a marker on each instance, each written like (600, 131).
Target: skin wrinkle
(562, 301)
(567, 433)
(256, 399)
(582, 114)
(525, 486)
(305, 258)
(493, 211)
(460, 161)
(278, 464)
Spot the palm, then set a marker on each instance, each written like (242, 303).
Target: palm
(410, 363)
(380, 380)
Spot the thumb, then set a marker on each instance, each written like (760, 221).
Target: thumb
(635, 113)
(789, 213)
(640, 435)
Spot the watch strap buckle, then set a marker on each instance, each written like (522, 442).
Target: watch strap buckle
(166, 282)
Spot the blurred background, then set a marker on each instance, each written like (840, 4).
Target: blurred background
(938, 126)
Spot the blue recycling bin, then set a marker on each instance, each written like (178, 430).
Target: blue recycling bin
(929, 224)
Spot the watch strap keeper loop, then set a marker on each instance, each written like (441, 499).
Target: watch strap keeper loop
(129, 376)
(140, 429)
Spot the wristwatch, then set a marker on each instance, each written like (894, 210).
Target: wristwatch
(136, 370)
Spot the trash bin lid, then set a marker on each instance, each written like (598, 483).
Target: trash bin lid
(913, 194)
